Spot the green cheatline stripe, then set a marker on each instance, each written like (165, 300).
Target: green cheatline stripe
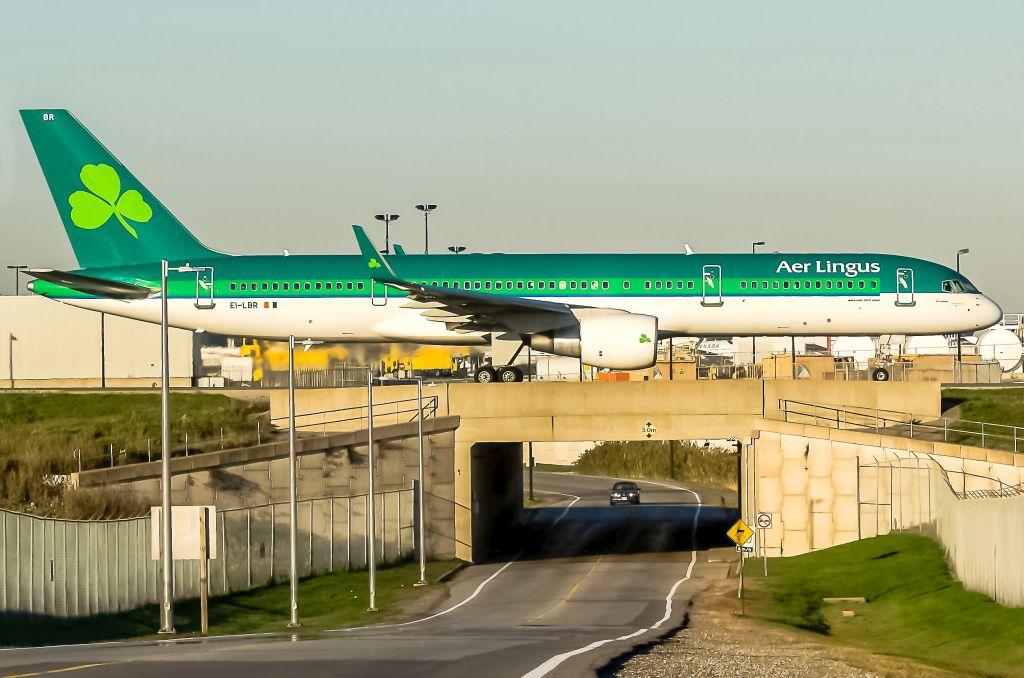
(615, 287)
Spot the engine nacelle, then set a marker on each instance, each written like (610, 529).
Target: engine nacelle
(606, 338)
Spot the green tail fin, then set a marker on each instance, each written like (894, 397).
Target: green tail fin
(110, 217)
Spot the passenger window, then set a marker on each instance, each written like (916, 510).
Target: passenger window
(540, 284)
(264, 287)
(874, 284)
(743, 284)
(476, 285)
(232, 287)
(785, 284)
(529, 284)
(348, 286)
(306, 286)
(318, 286)
(647, 284)
(508, 284)
(604, 284)
(561, 284)
(497, 285)
(274, 287)
(360, 286)
(860, 284)
(689, 285)
(625, 284)
(775, 284)
(329, 286)
(583, 285)
(679, 284)
(807, 284)
(817, 284)
(668, 284)
(764, 284)
(572, 284)
(849, 284)
(657, 284)
(455, 284)
(551, 284)
(487, 284)
(828, 284)
(519, 284)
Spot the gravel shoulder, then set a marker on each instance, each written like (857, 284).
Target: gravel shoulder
(718, 642)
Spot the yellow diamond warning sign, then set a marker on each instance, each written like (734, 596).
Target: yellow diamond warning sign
(740, 533)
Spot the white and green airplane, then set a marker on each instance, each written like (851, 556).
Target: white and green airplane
(609, 310)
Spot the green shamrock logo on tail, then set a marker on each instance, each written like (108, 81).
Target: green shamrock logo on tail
(373, 263)
(93, 208)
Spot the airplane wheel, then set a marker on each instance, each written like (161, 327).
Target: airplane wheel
(485, 375)
(879, 374)
(510, 374)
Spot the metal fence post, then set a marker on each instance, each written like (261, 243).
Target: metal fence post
(258, 440)
(186, 443)
(111, 455)
(983, 434)
(149, 449)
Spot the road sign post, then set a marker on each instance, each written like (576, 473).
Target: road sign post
(764, 522)
(743, 537)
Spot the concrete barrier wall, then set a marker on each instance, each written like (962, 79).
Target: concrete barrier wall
(984, 542)
(826, 487)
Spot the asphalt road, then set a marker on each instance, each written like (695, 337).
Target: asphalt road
(586, 582)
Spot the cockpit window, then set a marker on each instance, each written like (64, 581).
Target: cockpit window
(959, 287)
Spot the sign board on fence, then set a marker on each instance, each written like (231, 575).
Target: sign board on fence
(764, 521)
(185, 532)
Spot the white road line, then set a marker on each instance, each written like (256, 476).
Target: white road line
(558, 659)
(473, 595)
(144, 643)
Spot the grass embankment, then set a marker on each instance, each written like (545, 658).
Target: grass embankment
(914, 607)
(40, 431)
(990, 405)
(555, 468)
(325, 602)
(667, 460)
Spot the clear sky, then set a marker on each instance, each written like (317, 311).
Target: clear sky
(539, 126)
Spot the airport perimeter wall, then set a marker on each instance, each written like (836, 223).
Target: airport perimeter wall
(68, 568)
(983, 540)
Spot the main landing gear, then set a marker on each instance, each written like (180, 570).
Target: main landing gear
(506, 373)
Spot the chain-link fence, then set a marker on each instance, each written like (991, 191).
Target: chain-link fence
(70, 568)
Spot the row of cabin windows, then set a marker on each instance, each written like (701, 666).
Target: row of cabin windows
(521, 284)
(806, 284)
(667, 284)
(290, 286)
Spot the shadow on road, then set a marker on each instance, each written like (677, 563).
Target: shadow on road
(557, 532)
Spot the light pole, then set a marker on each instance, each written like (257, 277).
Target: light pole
(166, 541)
(167, 557)
(959, 342)
(753, 339)
(371, 512)
(456, 249)
(422, 488)
(17, 278)
(387, 218)
(426, 209)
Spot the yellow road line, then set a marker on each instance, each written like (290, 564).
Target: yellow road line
(67, 668)
(571, 592)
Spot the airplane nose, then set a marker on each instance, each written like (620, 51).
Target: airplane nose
(990, 313)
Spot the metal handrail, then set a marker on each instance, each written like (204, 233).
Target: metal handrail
(877, 419)
(150, 447)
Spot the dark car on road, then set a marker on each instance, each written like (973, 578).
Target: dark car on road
(624, 492)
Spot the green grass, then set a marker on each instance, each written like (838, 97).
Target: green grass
(325, 602)
(915, 608)
(668, 460)
(989, 405)
(40, 431)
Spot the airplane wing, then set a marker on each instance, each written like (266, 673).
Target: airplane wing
(466, 310)
(100, 287)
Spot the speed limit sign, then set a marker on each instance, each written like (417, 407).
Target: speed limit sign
(764, 520)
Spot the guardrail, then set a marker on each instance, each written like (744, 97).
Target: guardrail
(905, 424)
(188, 443)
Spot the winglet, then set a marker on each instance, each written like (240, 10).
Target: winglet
(380, 269)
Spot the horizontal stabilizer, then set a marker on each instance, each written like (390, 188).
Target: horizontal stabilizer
(99, 287)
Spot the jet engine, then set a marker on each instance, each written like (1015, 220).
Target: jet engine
(605, 338)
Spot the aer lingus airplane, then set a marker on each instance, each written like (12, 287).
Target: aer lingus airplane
(607, 309)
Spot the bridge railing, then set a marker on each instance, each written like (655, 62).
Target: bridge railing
(186, 443)
(982, 434)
